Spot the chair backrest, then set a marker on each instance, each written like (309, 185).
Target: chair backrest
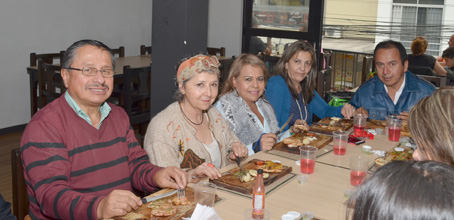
(438, 81)
(215, 51)
(324, 81)
(271, 62)
(225, 69)
(421, 70)
(368, 66)
(136, 94)
(46, 57)
(20, 196)
(145, 50)
(51, 83)
(119, 51)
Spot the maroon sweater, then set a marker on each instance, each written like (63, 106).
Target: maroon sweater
(69, 165)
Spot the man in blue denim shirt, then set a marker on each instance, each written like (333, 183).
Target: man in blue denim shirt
(394, 90)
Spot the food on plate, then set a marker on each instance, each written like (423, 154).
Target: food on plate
(402, 154)
(162, 207)
(254, 174)
(180, 201)
(335, 119)
(260, 162)
(271, 167)
(244, 176)
(296, 141)
(301, 127)
(164, 211)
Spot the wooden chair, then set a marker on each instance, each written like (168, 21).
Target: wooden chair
(421, 70)
(437, 81)
(51, 83)
(215, 51)
(145, 50)
(368, 66)
(225, 69)
(46, 57)
(50, 58)
(120, 51)
(271, 62)
(136, 96)
(20, 195)
(324, 81)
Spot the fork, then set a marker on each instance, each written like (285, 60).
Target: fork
(181, 193)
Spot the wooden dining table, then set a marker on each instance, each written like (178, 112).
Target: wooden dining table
(322, 193)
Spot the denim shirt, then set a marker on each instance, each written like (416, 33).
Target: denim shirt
(373, 97)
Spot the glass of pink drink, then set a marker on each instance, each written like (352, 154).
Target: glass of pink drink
(308, 154)
(394, 126)
(358, 169)
(340, 142)
(359, 124)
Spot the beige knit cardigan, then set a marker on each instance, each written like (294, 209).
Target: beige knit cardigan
(170, 140)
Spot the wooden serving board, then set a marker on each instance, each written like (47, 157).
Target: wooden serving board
(322, 140)
(325, 126)
(229, 181)
(143, 212)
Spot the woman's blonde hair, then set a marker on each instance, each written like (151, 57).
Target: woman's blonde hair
(431, 123)
(419, 46)
(235, 70)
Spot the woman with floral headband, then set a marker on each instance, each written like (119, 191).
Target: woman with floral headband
(190, 133)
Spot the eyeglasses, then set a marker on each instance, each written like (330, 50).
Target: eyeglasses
(91, 71)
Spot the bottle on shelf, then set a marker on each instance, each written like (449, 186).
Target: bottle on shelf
(280, 47)
(258, 197)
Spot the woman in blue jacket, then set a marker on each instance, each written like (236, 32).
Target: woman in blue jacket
(292, 91)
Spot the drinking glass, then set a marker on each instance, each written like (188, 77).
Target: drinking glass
(307, 158)
(394, 126)
(358, 169)
(359, 124)
(340, 142)
(204, 193)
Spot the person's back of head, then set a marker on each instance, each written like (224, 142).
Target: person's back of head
(405, 190)
(448, 53)
(389, 44)
(419, 46)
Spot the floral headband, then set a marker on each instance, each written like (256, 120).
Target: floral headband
(197, 64)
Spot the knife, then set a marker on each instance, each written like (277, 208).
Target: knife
(285, 124)
(238, 161)
(154, 198)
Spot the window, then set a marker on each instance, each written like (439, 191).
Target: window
(411, 20)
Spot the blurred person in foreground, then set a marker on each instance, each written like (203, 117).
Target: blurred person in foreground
(190, 133)
(80, 155)
(292, 91)
(403, 190)
(394, 89)
(242, 103)
(431, 124)
(418, 57)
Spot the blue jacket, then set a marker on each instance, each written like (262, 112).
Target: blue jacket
(373, 97)
(278, 94)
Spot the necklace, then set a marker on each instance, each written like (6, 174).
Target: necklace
(190, 119)
(299, 107)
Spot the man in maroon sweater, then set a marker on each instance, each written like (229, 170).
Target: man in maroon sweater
(81, 158)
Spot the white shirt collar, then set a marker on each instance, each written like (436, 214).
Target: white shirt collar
(399, 92)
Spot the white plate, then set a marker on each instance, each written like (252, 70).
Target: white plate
(294, 214)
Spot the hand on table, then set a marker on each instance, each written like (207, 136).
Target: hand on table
(403, 116)
(298, 129)
(117, 203)
(205, 169)
(171, 177)
(348, 111)
(267, 141)
(238, 149)
(363, 111)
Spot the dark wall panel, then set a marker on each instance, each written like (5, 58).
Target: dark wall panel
(179, 30)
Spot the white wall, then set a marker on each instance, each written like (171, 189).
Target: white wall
(225, 25)
(48, 26)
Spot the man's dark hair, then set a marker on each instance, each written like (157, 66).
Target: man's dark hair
(70, 53)
(448, 53)
(392, 44)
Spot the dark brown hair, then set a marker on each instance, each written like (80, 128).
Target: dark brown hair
(308, 84)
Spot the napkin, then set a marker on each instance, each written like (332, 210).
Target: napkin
(203, 212)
